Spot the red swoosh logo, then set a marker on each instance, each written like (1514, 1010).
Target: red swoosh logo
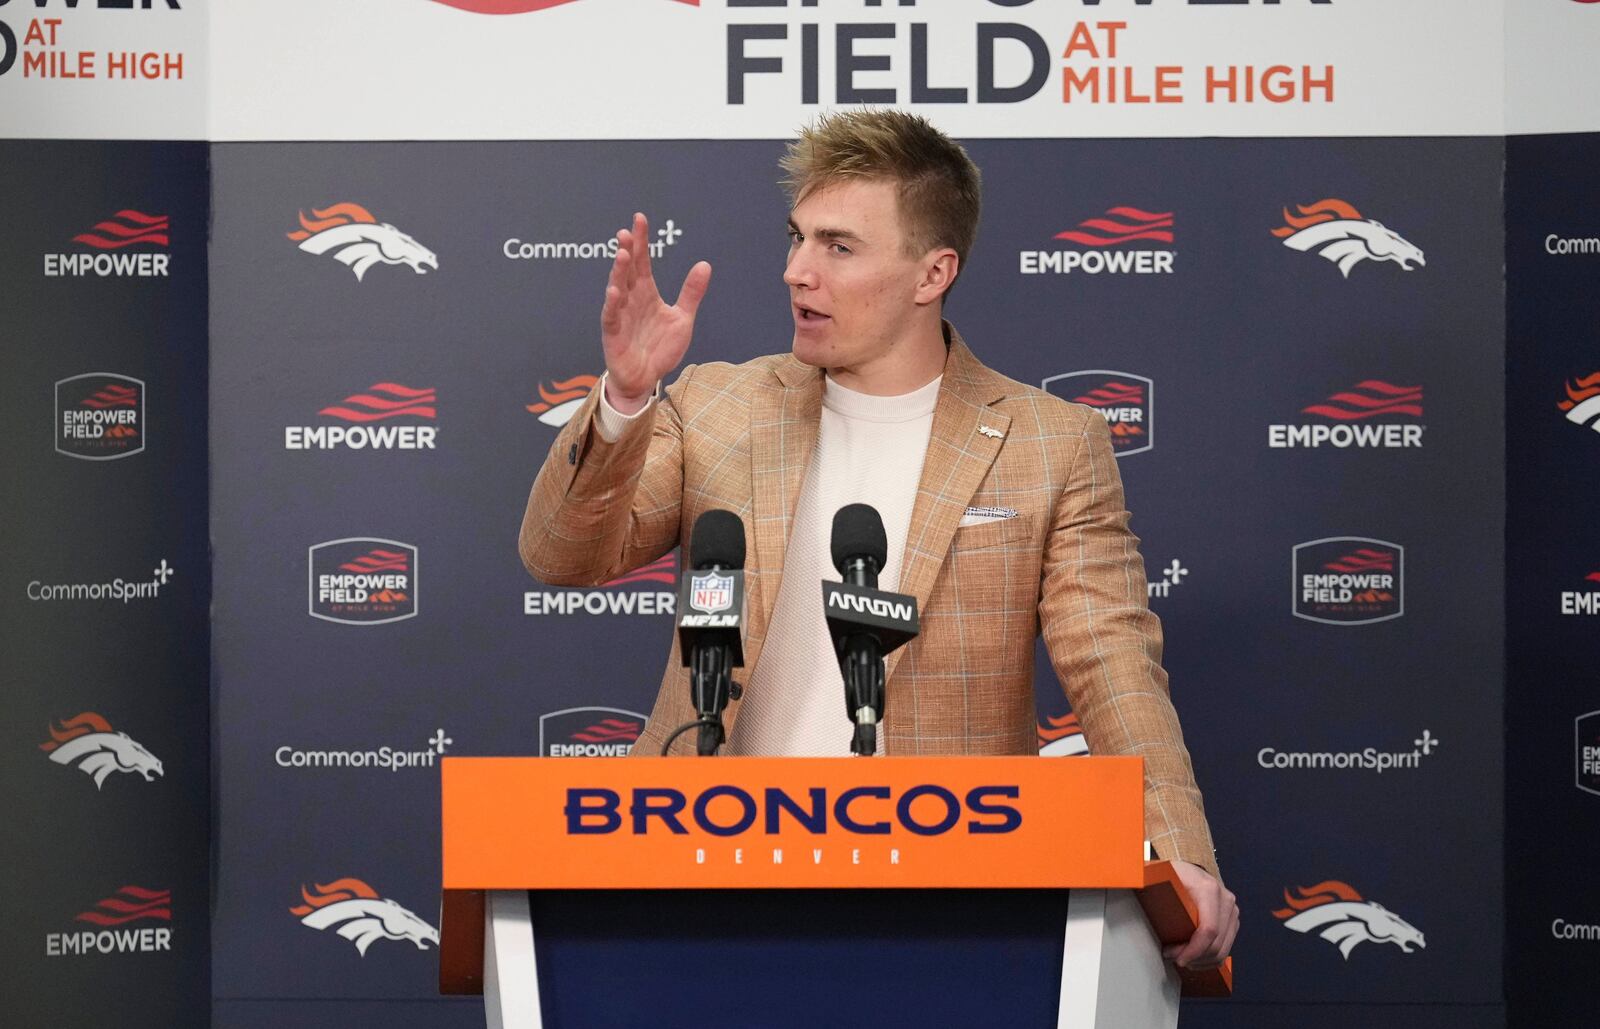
(517, 6)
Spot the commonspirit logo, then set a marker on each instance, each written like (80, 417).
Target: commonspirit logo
(1335, 230)
(87, 742)
(129, 244)
(636, 593)
(383, 758)
(516, 249)
(1367, 759)
(367, 421)
(353, 236)
(1125, 400)
(1372, 414)
(124, 590)
(100, 416)
(122, 925)
(1102, 246)
(358, 913)
(1334, 911)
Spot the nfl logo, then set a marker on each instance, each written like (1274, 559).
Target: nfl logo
(711, 592)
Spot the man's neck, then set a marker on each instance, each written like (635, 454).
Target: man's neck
(910, 364)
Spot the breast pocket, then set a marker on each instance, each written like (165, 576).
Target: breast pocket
(996, 533)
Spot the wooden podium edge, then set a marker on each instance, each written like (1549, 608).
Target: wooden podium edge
(1173, 916)
(461, 922)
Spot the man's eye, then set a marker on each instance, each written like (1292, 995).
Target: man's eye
(840, 248)
(795, 237)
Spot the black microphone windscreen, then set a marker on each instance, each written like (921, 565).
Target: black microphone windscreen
(717, 539)
(858, 532)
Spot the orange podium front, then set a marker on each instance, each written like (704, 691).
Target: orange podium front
(785, 823)
(670, 868)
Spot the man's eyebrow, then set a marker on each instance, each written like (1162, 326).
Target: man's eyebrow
(823, 233)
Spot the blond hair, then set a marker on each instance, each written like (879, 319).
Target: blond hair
(938, 187)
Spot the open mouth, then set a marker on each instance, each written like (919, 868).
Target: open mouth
(806, 316)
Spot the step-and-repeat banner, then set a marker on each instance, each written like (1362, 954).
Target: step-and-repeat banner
(1297, 329)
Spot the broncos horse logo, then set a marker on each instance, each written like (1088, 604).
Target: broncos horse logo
(358, 240)
(361, 916)
(1336, 912)
(88, 741)
(1337, 231)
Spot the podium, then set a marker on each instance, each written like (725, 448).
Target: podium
(809, 891)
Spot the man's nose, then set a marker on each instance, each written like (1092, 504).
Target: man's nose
(799, 272)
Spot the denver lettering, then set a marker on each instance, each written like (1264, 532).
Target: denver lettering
(727, 810)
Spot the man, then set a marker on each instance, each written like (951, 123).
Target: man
(1002, 505)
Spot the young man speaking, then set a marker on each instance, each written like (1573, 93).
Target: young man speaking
(1002, 505)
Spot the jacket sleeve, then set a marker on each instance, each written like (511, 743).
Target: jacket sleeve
(598, 509)
(1105, 644)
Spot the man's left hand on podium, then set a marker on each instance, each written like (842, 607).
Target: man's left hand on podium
(1218, 920)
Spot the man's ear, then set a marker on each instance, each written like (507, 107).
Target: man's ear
(939, 269)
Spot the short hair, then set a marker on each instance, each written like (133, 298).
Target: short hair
(939, 189)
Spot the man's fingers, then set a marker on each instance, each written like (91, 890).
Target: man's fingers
(611, 311)
(641, 247)
(625, 262)
(694, 288)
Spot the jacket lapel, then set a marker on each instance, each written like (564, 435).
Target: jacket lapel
(785, 413)
(966, 437)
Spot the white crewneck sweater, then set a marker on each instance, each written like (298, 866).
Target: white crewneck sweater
(869, 450)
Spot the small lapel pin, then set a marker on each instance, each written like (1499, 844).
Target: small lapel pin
(988, 431)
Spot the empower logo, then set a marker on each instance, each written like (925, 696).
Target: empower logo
(99, 416)
(130, 904)
(355, 911)
(628, 594)
(1582, 405)
(108, 256)
(1101, 240)
(351, 235)
(362, 580)
(1334, 911)
(589, 732)
(560, 399)
(1371, 414)
(86, 741)
(1348, 580)
(1586, 751)
(1335, 230)
(1125, 400)
(1583, 602)
(361, 421)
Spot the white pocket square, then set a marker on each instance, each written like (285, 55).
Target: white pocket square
(981, 515)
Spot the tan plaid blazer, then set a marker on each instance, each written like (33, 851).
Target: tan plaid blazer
(739, 437)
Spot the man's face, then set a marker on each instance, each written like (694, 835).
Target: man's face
(852, 288)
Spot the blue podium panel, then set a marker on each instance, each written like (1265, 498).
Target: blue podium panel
(799, 958)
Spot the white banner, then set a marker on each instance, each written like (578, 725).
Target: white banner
(1552, 75)
(102, 69)
(638, 69)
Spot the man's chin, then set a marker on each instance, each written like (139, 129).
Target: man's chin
(809, 351)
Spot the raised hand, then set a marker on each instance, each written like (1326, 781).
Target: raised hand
(644, 337)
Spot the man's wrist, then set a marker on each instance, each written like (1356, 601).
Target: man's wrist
(626, 405)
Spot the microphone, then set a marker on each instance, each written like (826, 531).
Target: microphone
(866, 623)
(710, 619)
